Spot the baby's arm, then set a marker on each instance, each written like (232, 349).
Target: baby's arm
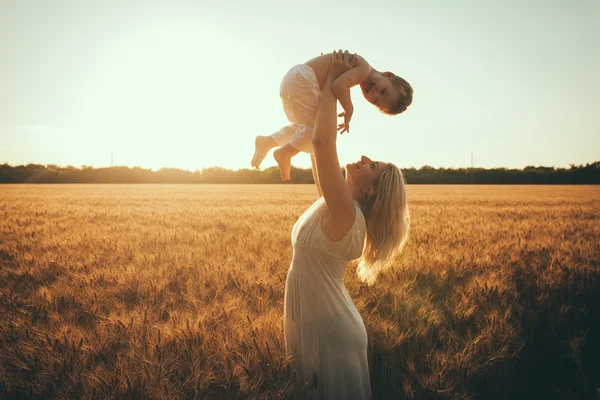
(341, 87)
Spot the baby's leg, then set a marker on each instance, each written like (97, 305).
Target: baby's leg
(298, 138)
(262, 145)
(283, 156)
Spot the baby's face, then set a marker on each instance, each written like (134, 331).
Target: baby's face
(379, 91)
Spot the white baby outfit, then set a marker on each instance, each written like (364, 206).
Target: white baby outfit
(325, 336)
(301, 94)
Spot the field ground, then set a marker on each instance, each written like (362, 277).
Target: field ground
(167, 291)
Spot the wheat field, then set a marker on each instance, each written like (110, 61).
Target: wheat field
(176, 291)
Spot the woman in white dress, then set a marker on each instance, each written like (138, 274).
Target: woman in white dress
(363, 217)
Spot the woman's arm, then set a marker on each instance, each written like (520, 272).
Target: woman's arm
(335, 190)
(313, 160)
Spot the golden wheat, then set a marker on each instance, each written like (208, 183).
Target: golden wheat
(176, 291)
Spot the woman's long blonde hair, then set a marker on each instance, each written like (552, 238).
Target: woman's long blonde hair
(388, 220)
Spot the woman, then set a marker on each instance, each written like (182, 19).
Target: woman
(325, 336)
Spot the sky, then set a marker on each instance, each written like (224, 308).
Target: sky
(190, 84)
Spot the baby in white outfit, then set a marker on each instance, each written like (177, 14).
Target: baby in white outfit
(300, 93)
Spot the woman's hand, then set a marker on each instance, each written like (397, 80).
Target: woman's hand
(341, 61)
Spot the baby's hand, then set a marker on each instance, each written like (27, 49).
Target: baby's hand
(341, 62)
(345, 126)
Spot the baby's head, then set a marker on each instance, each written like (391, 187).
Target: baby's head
(388, 92)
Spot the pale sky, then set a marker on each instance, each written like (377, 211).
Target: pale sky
(189, 84)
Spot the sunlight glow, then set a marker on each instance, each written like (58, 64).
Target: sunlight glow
(190, 86)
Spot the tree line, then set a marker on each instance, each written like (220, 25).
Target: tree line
(36, 173)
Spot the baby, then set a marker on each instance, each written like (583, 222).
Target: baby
(300, 92)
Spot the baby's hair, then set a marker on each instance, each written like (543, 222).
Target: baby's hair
(405, 97)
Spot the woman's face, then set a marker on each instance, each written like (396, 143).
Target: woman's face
(364, 171)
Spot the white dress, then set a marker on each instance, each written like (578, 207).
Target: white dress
(325, 336)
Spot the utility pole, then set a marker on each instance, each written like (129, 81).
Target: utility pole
(111, 158)
(471, 168)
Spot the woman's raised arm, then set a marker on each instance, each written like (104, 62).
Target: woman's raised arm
(313, 161)
(335, 190)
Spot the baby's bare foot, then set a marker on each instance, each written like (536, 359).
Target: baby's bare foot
(262, 146)
(285, 163)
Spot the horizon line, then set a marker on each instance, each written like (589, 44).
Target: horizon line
(571, 165)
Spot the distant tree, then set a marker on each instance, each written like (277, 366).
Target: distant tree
(37, 173)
